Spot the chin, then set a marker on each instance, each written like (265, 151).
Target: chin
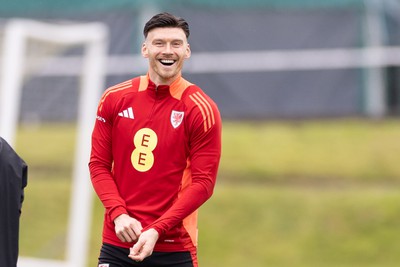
(167, 76)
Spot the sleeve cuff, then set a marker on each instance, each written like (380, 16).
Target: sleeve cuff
(116, 212)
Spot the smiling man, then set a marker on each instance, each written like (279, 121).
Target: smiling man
(156, 147)
(166, 49)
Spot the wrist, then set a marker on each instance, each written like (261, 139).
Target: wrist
(117, 212)
(153, 232)
(119, 217)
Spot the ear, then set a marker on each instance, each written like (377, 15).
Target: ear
(145, 52)
(188, 51)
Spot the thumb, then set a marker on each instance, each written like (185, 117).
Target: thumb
(135, 250)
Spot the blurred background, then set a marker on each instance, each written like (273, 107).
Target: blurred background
(309, 93)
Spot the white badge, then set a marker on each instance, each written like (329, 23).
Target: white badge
(176, 118)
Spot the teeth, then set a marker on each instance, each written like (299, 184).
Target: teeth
(167, 61)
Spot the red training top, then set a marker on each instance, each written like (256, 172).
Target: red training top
(155, 156)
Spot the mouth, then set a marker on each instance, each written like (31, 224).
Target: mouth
(167, 62)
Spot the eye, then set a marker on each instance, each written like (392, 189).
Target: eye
(158, 43)
(176, 44)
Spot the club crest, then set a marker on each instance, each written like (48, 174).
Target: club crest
(176, 118)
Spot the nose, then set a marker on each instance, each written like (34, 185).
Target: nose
(167, 49)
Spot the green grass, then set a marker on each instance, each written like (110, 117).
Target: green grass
(44, 218)
(289, 194)
(247, 225)
(319, 151)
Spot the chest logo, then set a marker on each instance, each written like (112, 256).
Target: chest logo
(142, 157)
(176, 118)
(127, 113)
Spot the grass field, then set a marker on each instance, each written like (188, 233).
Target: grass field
(312, 193)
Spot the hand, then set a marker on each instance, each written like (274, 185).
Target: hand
(144, 246)
(127, 228)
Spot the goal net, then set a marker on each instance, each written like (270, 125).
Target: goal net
(29, 51)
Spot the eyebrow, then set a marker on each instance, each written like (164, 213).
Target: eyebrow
(163, 40)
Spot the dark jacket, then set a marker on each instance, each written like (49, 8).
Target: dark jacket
(13, 180)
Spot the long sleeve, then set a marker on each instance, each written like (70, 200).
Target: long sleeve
(101, 161)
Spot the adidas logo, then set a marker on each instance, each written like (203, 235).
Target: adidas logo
(127, 113)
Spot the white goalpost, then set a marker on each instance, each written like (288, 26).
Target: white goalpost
(94, 38)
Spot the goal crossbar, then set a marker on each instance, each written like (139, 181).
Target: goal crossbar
(372, 59)
(245, 61)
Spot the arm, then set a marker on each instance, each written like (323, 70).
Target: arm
(127, 228)
(204, 127)
(100, 167)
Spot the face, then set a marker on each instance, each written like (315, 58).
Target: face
(166, 49)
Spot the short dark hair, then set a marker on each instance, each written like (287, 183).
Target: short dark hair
(166, 20)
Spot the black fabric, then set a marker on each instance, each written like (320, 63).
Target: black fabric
(118, 257)
(13, 180)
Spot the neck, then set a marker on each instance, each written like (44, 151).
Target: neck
(161, 81)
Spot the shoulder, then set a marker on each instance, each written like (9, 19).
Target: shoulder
(118, 91)
(122, 88)
(201, 107)
(195, 97)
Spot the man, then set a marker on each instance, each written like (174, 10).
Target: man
(156, 147)
(13, 180)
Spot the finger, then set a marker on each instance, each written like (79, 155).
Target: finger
(140, 251)
(134, 230)
(127, 237)
(121, 236)
(136, 251)
(124, 236)
(141, 256)
(137, 229)
(130, 235)
(138, 257)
